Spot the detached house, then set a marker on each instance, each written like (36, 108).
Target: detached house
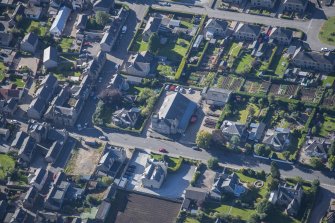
(256, 131)
(5, 38)
(295, 5)
(139, 64)
(315, 61)
(247, 32)
(267, 4)
(215, 27)
(230, 128)
(126, 118)
(59, 23)
(154, 174)
(316, 147)
(111, 162)
(226, 183)
(216, 96)
(174, 115)
(278, 138)
(151, 27)
(29, 43)
(281, 35)
(288, 197)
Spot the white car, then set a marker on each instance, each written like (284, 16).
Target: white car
(167, 87)
(124, 29)
(103, 138)
(79, 127)
(177, 89)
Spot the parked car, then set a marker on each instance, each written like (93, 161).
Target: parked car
(162, 150)
(103, 138)
(124, 29)
(167, 87)
(196, 148)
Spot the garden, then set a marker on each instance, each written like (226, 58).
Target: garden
(244, 63)
(201, 79)
(282, 90)
(279, 64)
(256, 87)
(328, 125)
(311, 95)
(7, 165)
(174, 163)
(327, 32)
(230, 82)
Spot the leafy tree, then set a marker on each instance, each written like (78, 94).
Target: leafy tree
(272, 183)
(331, 162)
(261, 102)
(314, 130)
(262, 150)
(275, 173)
(154, 43)
(235, 140)
(251, 111)
(331, 150)
(102, 18)
(213, 163)
(111, 96)
(254, 218)
(203, 139)
(271, 99)
(316, 163)
(286, 154)
(145, 94)
(252, 100)
(292, 107)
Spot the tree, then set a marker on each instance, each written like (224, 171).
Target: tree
(316, 163)
(251, 111)
(271, 99)
(272, 183)
(203, 139)
(145, 94)
(154, 43)
(262, 150)
(213, 163)
(235, 140)
(331, 150)
(261, 102)
(252, 100)
(102, 18)
(275, 173)
(314, 130)
(331, 162)
(286, 154)
(292, 107)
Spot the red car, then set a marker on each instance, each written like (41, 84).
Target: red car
(162, 150)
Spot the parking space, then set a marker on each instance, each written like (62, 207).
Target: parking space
(174, 184)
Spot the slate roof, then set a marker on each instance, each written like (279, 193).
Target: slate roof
(117, 81)
(60, 20)
(38, 104)
(315, 57)
(281, 32)
(30, 38)
(152, 24)
(82, 20)
(27, 146)
(19, 138)
(248, 28)
(50, 53)
(195, 193)
(107, 4)
(39, 175)
(55, 150)
(233, 128)
(107, 38)
(217, 23)
(103, 210)
(177, 106)
(295, 2)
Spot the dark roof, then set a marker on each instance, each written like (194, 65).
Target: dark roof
(281, 32)
(107, 4)
(27, 146)
(30, 38)
(232, 128)
(38, 104)
(50, 53)
(117, 80)
(40, 173)
(249, 28)
(296, 2)
(55, 150)
(315, 57)
(49, 80)
(217, 22)
(82, 20)
(153, 24)
(177, 106)
(196, 194)
(19, 138)
(103, 210)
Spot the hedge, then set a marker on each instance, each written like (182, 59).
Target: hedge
(180, 68)
(177, 166)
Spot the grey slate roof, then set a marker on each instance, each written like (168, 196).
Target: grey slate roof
(315, 57)
(50, 53)
(232, 128)
(19, 138)
(30, 38)
(107, 4)
(249, 28)
(152, 24)
(281, 32)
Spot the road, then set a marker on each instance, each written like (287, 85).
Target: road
(310, 27)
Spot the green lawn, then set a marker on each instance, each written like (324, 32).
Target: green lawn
(263, 190)
(66, 44)
(229, 208)
(281, 66)
(185, 24)
(243, 112)
(245, 64)
(174, 51)
(19, 82)
(40, 29)
(7, 165)
(139, 45)
(191, 220)
(173, 162)
(327, 32)
(329, 80)
(235, 49)
(165, 70)
(327, 126)
(2, 71)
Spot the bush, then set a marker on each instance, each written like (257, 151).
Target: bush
(195, 178)
(213, 163)
(180, 68)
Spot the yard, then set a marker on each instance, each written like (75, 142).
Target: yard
(256, 87)
(235, 49)
(328, 80)
(230, 82)
(66, 44)
(174, 50)
(2, 71)
(139, 45)
(40, 28)
(243, 111)
(174, 163)
(244, 63)
(327, 32)
(279, 65)
(166, 70)
(7, 165)
(328, 125)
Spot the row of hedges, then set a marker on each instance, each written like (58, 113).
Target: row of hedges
(180, 68)
(195, 177)
(200, 58)
(177, 166)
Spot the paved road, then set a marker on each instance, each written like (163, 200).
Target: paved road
(310, 27)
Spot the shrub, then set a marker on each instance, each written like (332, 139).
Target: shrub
(213, 163)
(195, 178)
(180, 68)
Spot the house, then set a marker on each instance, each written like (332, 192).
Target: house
(288, 197)
(4, 134)
(42, 97)
(330, 215)
(154, 174)
(81, 21)
(215, 27)
(102, 212)
(59, 23)
(54, 151)
(5, 38)
(281, 35)
(103, 5)
(194, 196)
(10, 106)
(18, 140)
(111, 161)
(79, 4)
(50, 57)
(38, 178)
(198, 41)
(278, 138)
(247, 32)
(27, 148)
(256, 131)
(216, 96)
(315, 61)
(236, 2)
(139, 64)
(18, 11)
(57, 193)
(118, 82)
(230, 128)
(174, 115)
(33, 12)
(151, 27)
(266, 4)
(20, 215)
(95, 66)
(295, 5)
(37, 130)
(107, 42)
(316, 147)
(29, 43)
(126, 118)
(30, 197)
(225, 183)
